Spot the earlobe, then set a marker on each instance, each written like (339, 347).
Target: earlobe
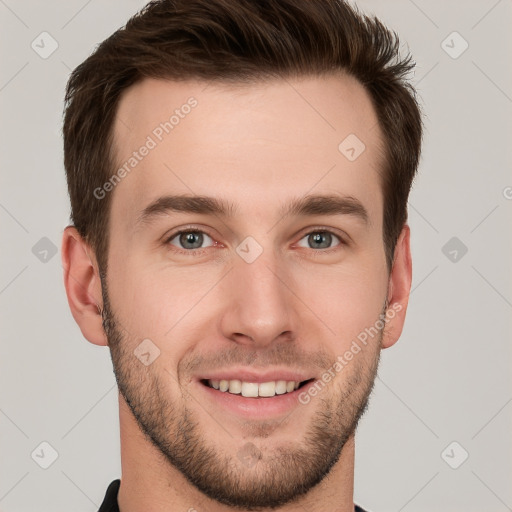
(83, 285)
(399, 289)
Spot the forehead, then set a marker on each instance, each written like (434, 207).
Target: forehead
(256, 144)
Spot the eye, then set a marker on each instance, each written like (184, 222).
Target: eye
(189, 239)
(192, 240)
(320, 239)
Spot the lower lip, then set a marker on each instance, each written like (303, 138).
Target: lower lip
(253, 408)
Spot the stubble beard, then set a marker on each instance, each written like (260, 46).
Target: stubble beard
(274, 477)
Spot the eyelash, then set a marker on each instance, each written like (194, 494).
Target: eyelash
(195, 252)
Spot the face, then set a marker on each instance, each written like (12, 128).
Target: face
(259, 289)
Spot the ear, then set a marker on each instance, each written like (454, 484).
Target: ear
(399, 289)
(83, 285)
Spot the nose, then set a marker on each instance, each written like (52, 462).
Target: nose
(261, 308)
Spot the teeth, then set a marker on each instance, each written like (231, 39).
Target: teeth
(280, 387)
(253, 389)
(250, 389)
(267, 389)
(235, 387)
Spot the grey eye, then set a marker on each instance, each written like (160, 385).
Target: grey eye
(190, 239)
(319, 240)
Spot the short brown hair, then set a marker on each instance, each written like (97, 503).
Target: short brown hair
(237, 40)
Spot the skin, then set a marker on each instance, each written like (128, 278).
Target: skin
(296, 306)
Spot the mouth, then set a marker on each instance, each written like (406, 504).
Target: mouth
(255, 389)
(257, 396)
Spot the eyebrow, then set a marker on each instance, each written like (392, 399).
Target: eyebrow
(311, 205)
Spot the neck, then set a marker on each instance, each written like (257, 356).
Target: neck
(149, 483)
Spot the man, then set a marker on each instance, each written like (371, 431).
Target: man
(239, 173)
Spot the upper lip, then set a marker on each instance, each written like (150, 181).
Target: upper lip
(250, 375)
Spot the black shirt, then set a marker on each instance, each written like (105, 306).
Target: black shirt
(110, 502)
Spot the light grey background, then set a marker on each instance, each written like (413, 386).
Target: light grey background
(447, 379)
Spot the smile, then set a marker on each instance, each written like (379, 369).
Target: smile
(255, 389)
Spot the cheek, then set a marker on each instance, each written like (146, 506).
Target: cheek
(174, 306)
(346, 301)
(158, 303)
